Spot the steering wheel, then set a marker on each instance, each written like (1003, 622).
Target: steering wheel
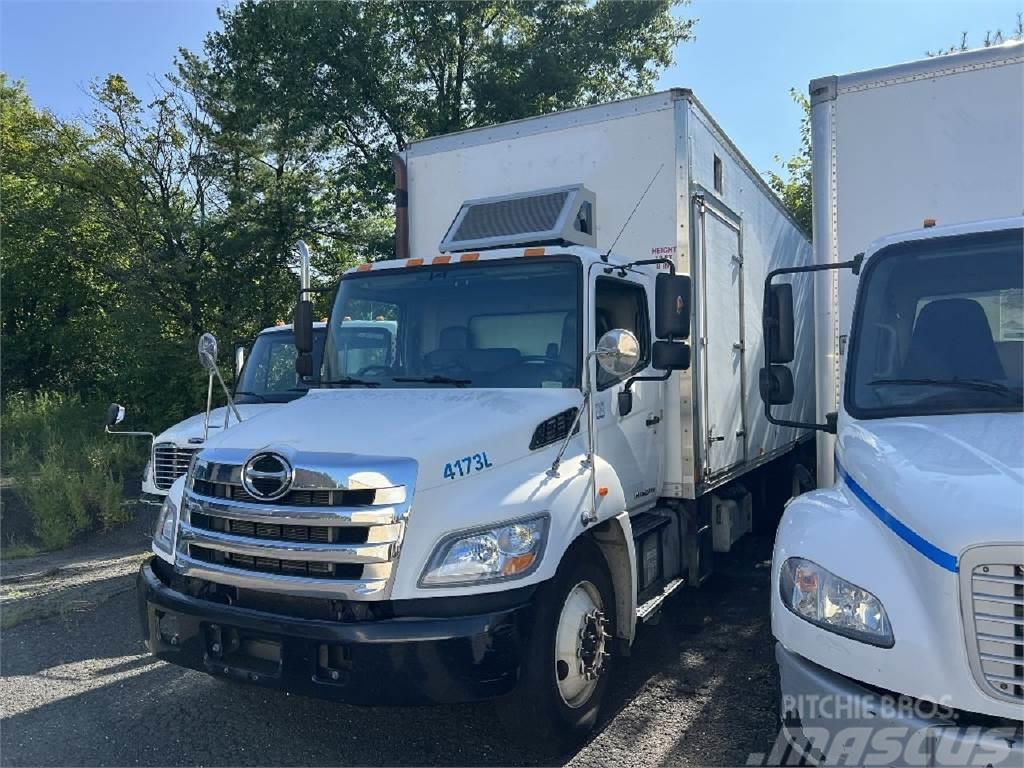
(567, 370)
(384, 369)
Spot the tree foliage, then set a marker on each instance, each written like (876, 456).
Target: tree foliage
(129, 233)
(795, 187)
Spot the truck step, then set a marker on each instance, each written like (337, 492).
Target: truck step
(649, 609)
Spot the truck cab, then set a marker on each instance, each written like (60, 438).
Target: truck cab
(904, 582)
(264, 378)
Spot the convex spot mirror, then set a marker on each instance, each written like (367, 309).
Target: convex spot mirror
(672, 300)
(618, 352)
(207, 349)
(115, 415)
(776, 385)
(671, 356)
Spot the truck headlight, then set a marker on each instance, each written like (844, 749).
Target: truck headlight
(507, 551)
(822, 598)
(163, 536)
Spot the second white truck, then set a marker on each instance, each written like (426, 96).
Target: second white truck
(898, 589)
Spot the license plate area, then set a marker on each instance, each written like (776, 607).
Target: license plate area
(239, 652)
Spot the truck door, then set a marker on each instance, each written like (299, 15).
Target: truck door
(722, 360)
(631, 443)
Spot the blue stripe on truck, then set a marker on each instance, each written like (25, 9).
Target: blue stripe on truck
(914, 539)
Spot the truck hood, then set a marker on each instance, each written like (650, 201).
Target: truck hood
(437, 427)
(192, 427)
(953, 481)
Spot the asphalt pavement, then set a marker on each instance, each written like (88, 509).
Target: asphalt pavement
(77, 688)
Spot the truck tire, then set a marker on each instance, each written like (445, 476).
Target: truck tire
(566, 664)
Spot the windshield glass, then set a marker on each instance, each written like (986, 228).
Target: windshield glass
(509, 323)
(268, 375)
(939, 328)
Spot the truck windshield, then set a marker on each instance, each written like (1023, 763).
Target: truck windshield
(939, 328)
(508, 323)
(269, 372)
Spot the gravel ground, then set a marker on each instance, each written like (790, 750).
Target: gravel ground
(76, 688)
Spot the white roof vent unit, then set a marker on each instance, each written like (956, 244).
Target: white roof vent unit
(561, 215)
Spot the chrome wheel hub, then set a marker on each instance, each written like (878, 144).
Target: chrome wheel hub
(581, 642)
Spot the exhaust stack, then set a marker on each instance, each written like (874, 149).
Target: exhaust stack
(401, 206)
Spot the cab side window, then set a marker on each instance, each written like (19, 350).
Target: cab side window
(621, 304)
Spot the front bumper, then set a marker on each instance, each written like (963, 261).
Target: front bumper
(398, 661)
(836, 721)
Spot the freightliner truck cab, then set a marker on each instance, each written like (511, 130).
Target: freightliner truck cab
(898, 593)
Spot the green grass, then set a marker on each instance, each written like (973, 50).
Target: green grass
(67, 472)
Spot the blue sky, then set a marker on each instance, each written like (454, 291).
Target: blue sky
(746, 56)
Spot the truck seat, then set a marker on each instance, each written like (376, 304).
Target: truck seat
(952, 339)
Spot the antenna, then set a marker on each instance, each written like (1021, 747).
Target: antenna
(630, 217)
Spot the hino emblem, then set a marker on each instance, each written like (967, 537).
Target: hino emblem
(267, 476)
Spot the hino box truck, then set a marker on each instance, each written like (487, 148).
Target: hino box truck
(898, 594)
(565, 429)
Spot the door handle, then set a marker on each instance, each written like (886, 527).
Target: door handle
(652, 420)
(716, 438)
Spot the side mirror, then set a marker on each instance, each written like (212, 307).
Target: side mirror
(672, 301)
(776, 385)
(207, 349)
(618, 352)
(115, 415)
(239, 361)
(778, 323)
(302, 325)
(670, 356)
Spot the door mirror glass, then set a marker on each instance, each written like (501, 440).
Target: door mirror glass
(618, 352)
(208, 351)
(302, 325)
(672, 300)
(239, 361)
(671, 356)
(776, 385)
(778, 323)
(115, 415)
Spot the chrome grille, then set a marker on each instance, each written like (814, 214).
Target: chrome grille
(169, 463)
(323, 538)
(992, 591)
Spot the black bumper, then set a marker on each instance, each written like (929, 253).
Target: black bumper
(396, 661)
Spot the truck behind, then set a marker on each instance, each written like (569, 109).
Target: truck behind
(898, 588)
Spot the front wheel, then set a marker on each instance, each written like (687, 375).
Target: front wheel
(568, 656)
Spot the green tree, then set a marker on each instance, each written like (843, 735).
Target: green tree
(308, 101)
(795, 187)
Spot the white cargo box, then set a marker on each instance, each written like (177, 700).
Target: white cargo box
(707, 209)
(731, 517)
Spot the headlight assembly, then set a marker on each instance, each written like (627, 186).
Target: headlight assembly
(819, 596)
(507, 551)
(163, 536)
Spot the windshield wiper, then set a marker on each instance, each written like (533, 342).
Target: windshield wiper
(434, 380)
(347, 381)
(250, 394)
(981, 385)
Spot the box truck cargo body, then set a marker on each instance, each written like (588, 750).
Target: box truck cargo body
(898, 590)
(937, 140)
(706, 209)
(489, 501)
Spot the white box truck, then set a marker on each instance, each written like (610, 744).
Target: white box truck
(898, 594)
(491, 507)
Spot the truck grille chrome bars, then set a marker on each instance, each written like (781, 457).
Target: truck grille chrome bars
(330, 536)
(992, 596)
(169, 463)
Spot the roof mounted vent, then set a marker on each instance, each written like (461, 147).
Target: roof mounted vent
(559, 215)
